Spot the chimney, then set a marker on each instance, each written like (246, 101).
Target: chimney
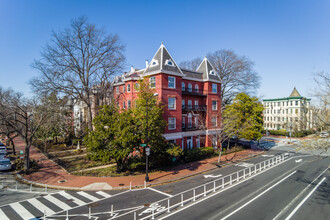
(132, 69)
(147, 63)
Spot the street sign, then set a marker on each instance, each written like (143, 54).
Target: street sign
(143, 145)
(21, 152)
(148, 151)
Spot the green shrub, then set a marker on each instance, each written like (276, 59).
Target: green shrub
(198, 154)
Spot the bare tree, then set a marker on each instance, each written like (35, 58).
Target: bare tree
(191, 64)
(22, 115)
(236, 74)
(322, 94)
(79, 61)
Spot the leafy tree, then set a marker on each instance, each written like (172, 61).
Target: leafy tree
(244, 117)
(148, 106)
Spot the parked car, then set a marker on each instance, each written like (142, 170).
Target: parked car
(324, 134)
(3, 155)
(3, 149)
(5, 164)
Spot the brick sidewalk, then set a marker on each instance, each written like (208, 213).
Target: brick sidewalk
(50, 173)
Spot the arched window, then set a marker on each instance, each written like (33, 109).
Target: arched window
(183, 86)
(189, 87)
(196, 88)
(189, 120)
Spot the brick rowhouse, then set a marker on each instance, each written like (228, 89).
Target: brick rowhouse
(192, 98)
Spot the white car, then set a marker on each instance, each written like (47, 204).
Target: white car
(5, 164)
(3, 149)
(324, 134)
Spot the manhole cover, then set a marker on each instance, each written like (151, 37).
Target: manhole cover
(121, 184)
(62, 181)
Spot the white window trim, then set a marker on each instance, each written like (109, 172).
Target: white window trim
(128, 87)
(216, 121)
(183, 86)
(189, 87)
(168, 83)
(196, 88)
(216, 105)
(169, 123)
(154, 62)
(168, 61)
(216, 88)
(212, 72)
(117, 90)
(174, 103)
(153, 77)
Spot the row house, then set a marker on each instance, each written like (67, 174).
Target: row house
(192, 98)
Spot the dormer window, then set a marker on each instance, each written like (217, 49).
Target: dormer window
(154, 62)
(212, 72)
(169, 62)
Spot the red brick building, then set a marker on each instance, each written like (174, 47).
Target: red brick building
(192, 98)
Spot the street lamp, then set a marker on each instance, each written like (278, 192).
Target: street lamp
(147, 147)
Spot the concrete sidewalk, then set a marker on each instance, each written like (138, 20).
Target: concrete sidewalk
(52, 175)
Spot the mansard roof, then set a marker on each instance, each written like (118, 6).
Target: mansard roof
(206, 67)
(163, 62)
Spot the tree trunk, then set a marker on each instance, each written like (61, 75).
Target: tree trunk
(27, 157)
(13, 145)
(219, 159)
(90, 121)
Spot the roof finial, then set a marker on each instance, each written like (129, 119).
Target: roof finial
(162, 43)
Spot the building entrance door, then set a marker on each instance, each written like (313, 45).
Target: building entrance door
(189, 142)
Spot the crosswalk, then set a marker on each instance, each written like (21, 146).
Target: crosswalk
(50, 204)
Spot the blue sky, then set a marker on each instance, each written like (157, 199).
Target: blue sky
(287, 40)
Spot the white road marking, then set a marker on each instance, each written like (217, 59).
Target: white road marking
(298, 161)
(160, 192)
(212, 176)
(74, 199)
(40, 206)
(267, 155)
(3, 216)
(210, 196)
(298, 196)
(245, 164)
(304, 200)
(247, 203)
(21, 211)
(106, 195)
(57, 202)
(88, 196)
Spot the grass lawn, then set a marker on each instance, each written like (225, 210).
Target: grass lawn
(78, 163)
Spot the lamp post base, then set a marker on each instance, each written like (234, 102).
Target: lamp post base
(147, 179)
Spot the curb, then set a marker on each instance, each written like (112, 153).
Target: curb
(136, 186)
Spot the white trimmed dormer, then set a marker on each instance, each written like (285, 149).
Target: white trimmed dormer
(154, 63)
(169, 62)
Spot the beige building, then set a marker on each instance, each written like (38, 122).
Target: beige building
(292, 112)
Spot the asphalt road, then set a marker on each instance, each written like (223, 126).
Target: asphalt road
(275, 191)
(279, 193)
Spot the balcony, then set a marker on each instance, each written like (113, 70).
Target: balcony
(200, 108)
(193, 92)
(191, 128)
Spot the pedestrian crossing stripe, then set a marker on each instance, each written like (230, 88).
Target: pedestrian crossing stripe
(3, 216)
(22, 211)
(23, 208)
